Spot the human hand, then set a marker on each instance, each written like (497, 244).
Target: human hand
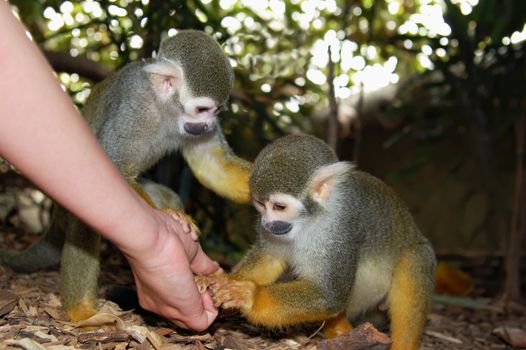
(163, 273)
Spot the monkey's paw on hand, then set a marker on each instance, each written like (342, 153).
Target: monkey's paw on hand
(186, 222)
(227, 292)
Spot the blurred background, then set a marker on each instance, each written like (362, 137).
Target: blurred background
(428, 95)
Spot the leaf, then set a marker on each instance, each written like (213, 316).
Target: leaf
(109, 313)
(54, 301)
(469, 303)
(141, 333)
(516, 337)
(443, 337)
(26, 344)
(23, 306)
(100, 319)
(8, 302)
(102, 336)
(112, 308)
(362, 337)
(164, 331)
(450, 280)
(44, 335)
(54, 313)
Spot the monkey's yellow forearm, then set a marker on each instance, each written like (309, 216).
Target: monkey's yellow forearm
(289, 303)
(170, 210)
(259, 267)
(217, 168)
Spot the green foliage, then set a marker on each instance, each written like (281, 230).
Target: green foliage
(468, 73)
(477, 84)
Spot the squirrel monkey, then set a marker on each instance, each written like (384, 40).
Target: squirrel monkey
(140, 113)
(346, 237)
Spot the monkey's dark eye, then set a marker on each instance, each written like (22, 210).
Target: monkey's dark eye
(203, 109)
(279, 207)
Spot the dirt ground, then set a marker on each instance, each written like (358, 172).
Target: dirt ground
(31, 318)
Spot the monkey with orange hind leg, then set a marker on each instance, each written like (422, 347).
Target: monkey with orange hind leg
(348, 240)
(139, 114)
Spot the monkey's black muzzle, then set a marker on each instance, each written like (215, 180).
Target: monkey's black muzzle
(196, 129)
(278, 227)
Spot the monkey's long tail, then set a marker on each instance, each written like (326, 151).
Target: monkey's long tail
(42, 254)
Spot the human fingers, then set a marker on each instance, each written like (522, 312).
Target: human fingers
(202, 264)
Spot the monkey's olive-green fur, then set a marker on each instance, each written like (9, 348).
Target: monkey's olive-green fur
(137, 125)
(205, 66)
(361, 249)
(285, 172)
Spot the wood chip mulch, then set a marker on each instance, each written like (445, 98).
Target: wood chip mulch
(31, 318)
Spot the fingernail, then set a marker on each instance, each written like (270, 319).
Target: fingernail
(211, 315)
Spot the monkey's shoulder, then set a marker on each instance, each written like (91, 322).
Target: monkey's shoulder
(366, 183)
(126, 88)
(128, 78)
(125, 78)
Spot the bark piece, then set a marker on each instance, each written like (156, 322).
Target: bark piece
(516, 337)
(237, 343)
(8, 302)
(115, 336)
(365, 336)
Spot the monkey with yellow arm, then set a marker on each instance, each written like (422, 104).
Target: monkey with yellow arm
(139, 114)
(347, 239)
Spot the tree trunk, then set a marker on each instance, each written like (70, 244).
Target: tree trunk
(512, 287)
(333, 127)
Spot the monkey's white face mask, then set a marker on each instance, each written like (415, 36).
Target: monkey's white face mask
(280, 215)
(195, 115)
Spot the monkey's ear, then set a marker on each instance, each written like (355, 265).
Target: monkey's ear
(165, 76)
(322, 182)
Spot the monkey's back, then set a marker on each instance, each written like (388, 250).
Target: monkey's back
(122, 113)
(373, 205)
(386, 231)
(122, 88)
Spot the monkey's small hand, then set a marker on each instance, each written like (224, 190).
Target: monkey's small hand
(235, 295)
(228, 292)
(212, 281)
(186, 221)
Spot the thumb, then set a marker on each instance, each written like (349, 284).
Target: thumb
(209, 307)
(202, 264)
(206, 317)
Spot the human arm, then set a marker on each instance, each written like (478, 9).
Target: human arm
(44, 136)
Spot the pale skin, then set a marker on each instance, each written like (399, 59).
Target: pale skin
(45, 137)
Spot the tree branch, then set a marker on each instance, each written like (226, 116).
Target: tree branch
(64, 62)
(332, 132)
